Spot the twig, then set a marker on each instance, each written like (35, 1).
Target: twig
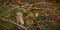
(7, 15)
(14, 23)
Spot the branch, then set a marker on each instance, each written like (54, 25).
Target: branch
(14, 23)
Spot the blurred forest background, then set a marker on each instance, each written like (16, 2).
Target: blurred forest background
(29, 14)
